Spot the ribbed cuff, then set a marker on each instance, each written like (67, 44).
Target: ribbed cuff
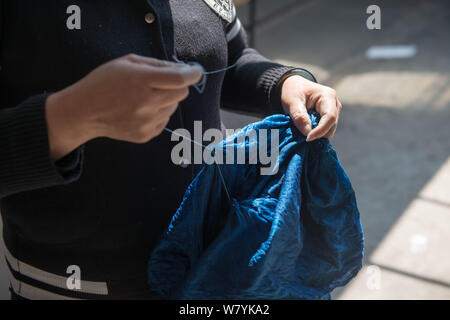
(25, 162)
(275, 79)
(270, 80)
(70, 166)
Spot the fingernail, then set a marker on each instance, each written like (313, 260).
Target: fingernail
(187, 68)
(195, 65)
(308, 138)
(308, 128)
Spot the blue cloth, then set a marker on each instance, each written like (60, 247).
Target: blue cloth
(293, 235)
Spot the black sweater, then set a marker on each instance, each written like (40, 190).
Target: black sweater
(105, 206)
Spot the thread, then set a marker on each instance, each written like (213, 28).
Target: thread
(201, 85)
(218, 167)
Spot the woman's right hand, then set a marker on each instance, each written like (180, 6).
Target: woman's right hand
(130, 99)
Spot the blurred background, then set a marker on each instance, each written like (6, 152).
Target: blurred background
(394, 134)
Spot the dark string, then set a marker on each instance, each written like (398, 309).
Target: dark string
(215, 162)
(201, 85)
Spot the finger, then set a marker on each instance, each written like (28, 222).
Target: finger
(168, 75)
(164, 98)
(329, 115)
(159, 128)
(150, 61)
(173, 77)
(339, 109)
(151, 118)
(331, 133)
(167, 111)
(339, 105)
(300, 116)
(161, 63)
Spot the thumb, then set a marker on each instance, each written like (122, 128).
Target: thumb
(300, 116)
(153, 62)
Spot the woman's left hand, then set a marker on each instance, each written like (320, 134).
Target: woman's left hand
(299, 95)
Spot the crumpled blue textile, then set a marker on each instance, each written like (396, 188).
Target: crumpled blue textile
(293, 235)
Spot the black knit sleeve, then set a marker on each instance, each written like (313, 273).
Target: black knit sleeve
(25, 162)
(253, 84)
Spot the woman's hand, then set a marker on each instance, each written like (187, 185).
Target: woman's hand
(130, 99)
(299, 95)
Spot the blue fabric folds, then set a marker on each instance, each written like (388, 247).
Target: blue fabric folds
(293, 235)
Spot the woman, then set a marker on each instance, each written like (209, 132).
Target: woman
(87, 185)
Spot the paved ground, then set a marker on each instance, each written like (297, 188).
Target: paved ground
(394, 136)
